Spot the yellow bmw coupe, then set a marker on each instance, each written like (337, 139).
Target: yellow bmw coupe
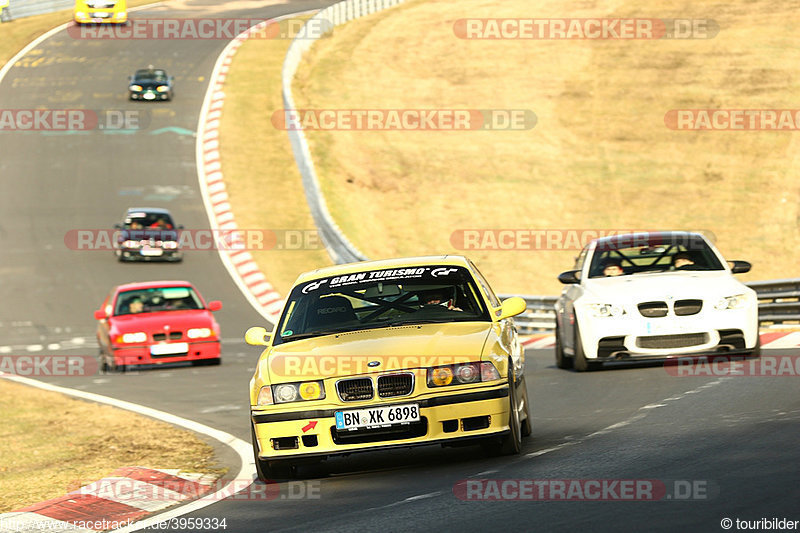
(384, 354)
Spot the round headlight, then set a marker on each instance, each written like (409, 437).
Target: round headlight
(467, 373)
(285, 393)
(442, 376)
(135, 87)
(310, 391)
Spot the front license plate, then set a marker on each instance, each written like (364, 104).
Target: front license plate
(149, 96)
(377, 416)
(152, 252)
(175, 348)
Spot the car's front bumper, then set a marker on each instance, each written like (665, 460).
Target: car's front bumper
(150, 254)
(141, 354)
(638, 337)
(445, 418)
(88, 19)
(150, 95)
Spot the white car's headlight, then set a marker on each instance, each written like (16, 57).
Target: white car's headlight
(122, 15)
(731, 302)
(131, 244)
(606, 310)
(199, 333)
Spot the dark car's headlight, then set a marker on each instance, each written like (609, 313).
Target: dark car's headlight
(162, 88)
(136, 88)
(462, 374)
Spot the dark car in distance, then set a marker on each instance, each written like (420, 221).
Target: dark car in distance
(150, 84)
(148, 234)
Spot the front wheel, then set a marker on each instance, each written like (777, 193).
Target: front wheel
(511, 443)
(580, 362)
(268, 471)
(562, 361)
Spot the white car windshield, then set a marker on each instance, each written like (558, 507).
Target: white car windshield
(663, 253)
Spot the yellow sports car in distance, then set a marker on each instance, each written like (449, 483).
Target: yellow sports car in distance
(383, 354)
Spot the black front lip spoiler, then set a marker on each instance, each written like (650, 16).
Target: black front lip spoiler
(429, 402)
(378, 448)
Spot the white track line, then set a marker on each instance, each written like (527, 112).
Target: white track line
(243, 449)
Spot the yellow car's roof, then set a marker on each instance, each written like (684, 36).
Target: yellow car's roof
(401, 262)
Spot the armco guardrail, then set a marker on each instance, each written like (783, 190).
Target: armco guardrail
(18, 9)
(339, 248)
(778, 303)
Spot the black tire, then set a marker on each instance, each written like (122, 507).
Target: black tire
(562, 361)
(580, 363)
(103, 366)
(207, 362)
(757, 350)
(269, 471)
(511, 443)
(527, 424)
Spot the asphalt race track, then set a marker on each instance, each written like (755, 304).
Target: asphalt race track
(732, 439)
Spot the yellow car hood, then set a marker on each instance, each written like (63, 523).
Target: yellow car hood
(377, 350)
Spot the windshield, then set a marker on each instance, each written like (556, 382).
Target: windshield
(153, 76)
(156, 299)
(661, 254)
(145, 220)
(381, 298)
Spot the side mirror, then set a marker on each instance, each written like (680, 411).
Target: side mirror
(117, 226)
(179, 226)
(100, 314)
(257, 336)
(739, 267)
(570, 277)
(130, 78)
(214, 305)
(512, 307)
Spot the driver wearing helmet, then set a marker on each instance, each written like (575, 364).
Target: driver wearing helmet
(438, 297)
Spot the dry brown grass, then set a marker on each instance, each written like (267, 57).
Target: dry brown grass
(600, 156)
(260, 173)
(52, 444)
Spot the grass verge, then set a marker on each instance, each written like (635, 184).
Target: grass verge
(261, 176)
(600, 156)
(46, 456)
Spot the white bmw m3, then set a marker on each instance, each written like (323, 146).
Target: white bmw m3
(645, 296)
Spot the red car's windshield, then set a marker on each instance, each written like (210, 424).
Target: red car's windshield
(156, 299)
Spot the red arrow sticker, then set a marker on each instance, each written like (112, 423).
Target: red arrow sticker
(309, 426)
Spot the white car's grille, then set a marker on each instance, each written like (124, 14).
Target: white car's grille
(660, 342)
(653, 309)
(688, 307)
